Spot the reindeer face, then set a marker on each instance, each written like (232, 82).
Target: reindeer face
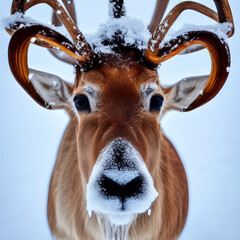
(118, 139)
(118, 133)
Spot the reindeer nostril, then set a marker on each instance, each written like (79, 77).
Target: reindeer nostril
(109, 188)
(135, 187)
(112, 189)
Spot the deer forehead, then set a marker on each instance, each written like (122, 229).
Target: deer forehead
(124, 81)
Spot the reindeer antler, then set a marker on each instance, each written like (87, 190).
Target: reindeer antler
(83, 48)
(82, 52)
(217, 48)
(18, 49)
(76, 52)
(158, 14)
(56, 22)
(224, 15)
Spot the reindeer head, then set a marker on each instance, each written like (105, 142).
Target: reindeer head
(117, 98)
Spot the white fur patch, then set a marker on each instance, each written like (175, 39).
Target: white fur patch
(112, 207)
(92, 93)
(146, 92)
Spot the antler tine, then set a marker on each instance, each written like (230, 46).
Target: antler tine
(172, 16)
(117, 8)
(224, 15)
(82, 46)
(158, 14)
(69, 4)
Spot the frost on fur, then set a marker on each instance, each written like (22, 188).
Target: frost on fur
(132, 167)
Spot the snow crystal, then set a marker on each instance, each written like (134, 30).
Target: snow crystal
(220, 29)
(26, 21)
(18, 17)
(165, 24)
(149, 211)
(59, 11)
(30, 76)
(228, 69)
(182, 109)
(33, 39)
(133, 31)
(60, 3)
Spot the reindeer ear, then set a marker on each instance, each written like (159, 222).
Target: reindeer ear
(184, 92)
(52, 89)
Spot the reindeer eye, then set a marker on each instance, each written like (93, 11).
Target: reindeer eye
(156, 103)
(82, 103)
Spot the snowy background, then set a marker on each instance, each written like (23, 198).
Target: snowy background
(207, 139)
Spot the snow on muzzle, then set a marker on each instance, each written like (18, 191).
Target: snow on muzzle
(120, 186)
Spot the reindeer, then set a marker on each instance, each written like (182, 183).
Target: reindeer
(117, 176)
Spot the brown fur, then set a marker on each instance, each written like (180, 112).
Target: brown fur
(120, 114)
